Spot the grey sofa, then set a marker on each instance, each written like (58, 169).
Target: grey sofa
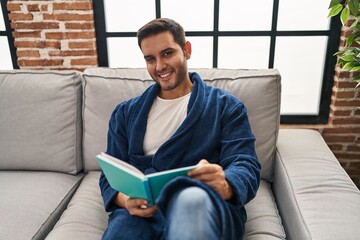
(53, 123)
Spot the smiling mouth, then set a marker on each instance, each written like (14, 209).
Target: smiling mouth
(164, 75)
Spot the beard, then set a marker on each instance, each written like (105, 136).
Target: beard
(178, 76)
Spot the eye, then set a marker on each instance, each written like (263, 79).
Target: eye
(149, 59)
(167, 53)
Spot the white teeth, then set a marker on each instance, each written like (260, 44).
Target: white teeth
(165, 75)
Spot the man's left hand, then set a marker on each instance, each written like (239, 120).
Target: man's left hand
(214, 176)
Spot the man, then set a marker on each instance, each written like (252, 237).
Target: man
(180, 121)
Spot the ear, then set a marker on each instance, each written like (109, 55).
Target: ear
(187, 50)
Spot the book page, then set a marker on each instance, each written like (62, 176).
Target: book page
(181, 170)
(123, 165)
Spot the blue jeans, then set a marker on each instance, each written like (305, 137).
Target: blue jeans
(190, 214)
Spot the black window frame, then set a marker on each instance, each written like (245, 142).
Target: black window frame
(333, 35)
(8, 33)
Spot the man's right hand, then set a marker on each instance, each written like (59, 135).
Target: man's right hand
(136, 207)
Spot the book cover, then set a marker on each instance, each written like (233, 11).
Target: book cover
(127, 179)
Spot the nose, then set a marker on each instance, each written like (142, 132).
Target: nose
(160, 65)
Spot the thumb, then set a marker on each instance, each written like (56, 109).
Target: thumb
(203, 162)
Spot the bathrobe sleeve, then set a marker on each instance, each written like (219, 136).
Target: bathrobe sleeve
(238, 157)
(117, 147)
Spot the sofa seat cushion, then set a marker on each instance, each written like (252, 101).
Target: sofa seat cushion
(264, 221)
(86, 219)
(32, 202)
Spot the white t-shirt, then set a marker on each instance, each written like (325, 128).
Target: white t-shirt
(164, 119)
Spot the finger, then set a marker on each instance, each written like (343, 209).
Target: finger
(139, 207)
(147, 212)
(203, 162)
(207, 177)
(199, 165)
(204, 169)
(136, 202)
(143, 206)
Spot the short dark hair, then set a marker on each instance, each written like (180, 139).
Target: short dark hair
(160, 25)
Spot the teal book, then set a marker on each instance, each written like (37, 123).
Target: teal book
(127, 179)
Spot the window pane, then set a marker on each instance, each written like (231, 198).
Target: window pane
(128, 16)
(243, 52)
(244, 15)
(2, 23)
(192, 15)
(124, 52)
(5, 60)
(292, 15)
(300, 61)
(202, 52)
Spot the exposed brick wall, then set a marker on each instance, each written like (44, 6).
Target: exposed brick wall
(60, 34)
(54, 34)
(343, 131)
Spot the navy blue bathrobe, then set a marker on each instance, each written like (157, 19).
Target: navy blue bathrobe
(216, 128)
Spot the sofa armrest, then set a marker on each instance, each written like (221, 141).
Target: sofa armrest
(315, 196)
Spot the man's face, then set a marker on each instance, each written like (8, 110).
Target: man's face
(166, 62)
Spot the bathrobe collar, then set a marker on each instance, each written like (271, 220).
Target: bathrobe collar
(169, 154)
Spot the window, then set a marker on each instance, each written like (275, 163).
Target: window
(238, 34)
(7, 49)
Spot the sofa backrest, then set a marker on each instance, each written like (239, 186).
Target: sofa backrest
(40, 120)
(104, 88)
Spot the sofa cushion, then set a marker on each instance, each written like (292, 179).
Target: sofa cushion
(86, 219)
(40, 120)
(263, 221)
(32, 201)
(104, 88)
(258, 89)
(316, 197)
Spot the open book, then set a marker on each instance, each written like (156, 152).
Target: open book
(127, 179)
